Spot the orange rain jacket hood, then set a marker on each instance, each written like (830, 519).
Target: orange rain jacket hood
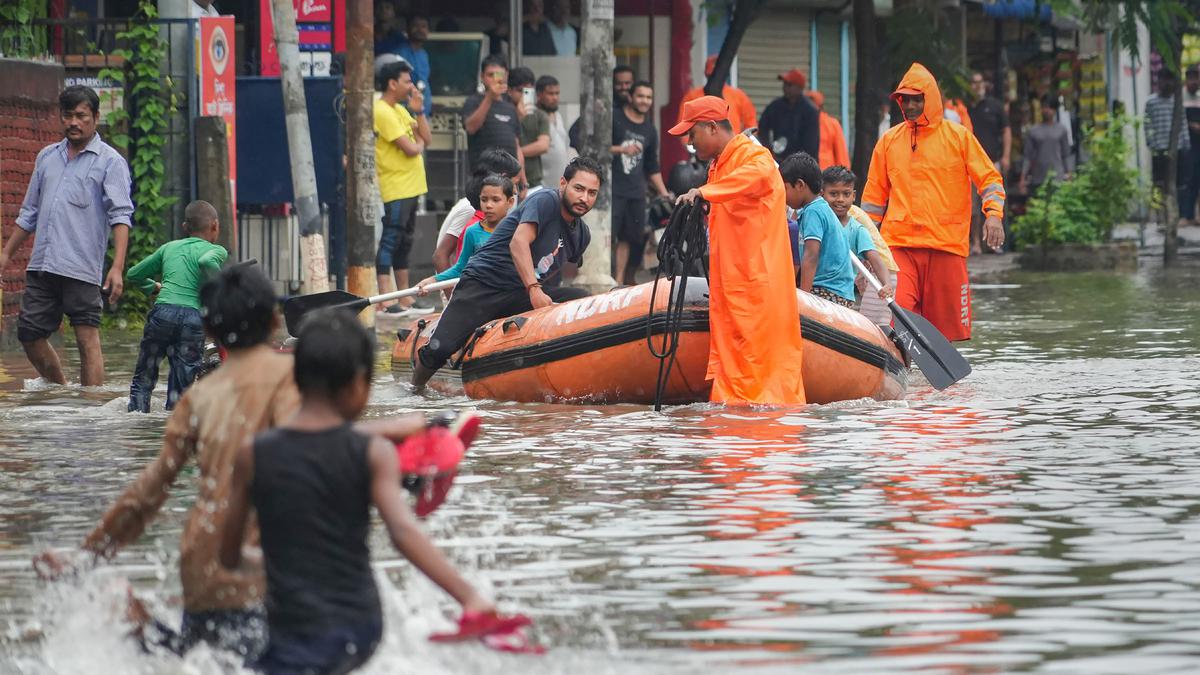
(919, 185)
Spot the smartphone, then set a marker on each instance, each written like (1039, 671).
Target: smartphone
(527, 98)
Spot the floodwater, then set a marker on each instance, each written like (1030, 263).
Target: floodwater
(1043, 515)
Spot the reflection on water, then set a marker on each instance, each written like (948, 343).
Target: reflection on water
(1040, 515)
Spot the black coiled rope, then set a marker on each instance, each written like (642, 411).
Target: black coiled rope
(682, 251)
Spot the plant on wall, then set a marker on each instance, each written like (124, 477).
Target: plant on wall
(18, 36)
(140, 128)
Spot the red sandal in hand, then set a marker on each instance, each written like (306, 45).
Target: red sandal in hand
(502, 633)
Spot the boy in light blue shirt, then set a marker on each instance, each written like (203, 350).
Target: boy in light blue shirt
(825, 267)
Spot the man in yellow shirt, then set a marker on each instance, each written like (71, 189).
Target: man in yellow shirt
(401, 134)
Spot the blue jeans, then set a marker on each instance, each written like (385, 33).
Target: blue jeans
(173, 331)
(396, 240)
(332, 652)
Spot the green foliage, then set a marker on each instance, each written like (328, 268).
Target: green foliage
(1165, 21)
(18, 37)
(1085, 209)
(140, 128)
(913, 34)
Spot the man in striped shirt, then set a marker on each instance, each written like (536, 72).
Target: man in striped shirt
(1160, 110)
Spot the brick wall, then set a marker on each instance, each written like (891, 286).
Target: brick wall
(29, 121)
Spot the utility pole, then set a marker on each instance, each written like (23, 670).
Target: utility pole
(362, 188)
(304, 181)
(596, 57)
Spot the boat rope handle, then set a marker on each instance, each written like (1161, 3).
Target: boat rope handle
(683, 245)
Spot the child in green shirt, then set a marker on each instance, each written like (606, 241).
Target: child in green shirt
(173, 327)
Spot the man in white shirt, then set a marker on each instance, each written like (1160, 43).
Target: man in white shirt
(202, 8)
(555, 159)
(566, 38)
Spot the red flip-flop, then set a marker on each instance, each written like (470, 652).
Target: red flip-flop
(429, 460)
(502, 633)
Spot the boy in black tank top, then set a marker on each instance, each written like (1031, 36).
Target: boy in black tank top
(312, 481)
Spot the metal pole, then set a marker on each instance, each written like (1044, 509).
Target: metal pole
(597, 60)
(844, 38)
(813, 52)
(514, 32)
(315, 270)
(362, 187)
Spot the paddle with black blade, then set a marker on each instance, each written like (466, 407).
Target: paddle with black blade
(925, 344)
(295, 307)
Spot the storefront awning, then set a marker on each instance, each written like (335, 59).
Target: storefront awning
(1018, 9)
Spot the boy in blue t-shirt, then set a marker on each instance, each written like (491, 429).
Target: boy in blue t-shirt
(825, 267)
(495, 200)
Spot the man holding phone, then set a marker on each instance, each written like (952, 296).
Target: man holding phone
(535, 123)
(490, 117)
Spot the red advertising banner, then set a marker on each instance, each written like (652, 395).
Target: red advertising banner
(218, 86)
(321, 24)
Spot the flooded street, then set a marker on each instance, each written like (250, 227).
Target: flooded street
(1043, 515)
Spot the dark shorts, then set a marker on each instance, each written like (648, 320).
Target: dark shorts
(334, 651)
(629, 219)
(241, 631)
(48, 297)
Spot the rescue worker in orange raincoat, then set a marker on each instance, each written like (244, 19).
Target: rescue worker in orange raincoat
(919, 194)
(742, 113)
(833, 140)
(755, 349)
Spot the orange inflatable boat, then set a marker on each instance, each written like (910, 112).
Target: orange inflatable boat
(594, 350)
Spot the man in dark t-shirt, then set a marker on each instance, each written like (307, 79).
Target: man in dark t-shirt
(490, 119)
(635, 162)
(990, 124)
(791, 123)
(505, 276)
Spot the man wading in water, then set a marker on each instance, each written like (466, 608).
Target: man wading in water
(919, 194)
(755, 349)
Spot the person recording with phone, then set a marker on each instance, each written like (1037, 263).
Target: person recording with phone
(490, 117)
(535, 126)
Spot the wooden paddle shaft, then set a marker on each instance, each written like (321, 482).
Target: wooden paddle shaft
(436, 286)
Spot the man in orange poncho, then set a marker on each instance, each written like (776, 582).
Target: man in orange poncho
(833, 140)
(741, 108)
(919, 193)
(755, 349)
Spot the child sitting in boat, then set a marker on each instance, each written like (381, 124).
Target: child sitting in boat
(173, 327)
(311, 482)
(825, 267)
(495, 199)
(865, 242)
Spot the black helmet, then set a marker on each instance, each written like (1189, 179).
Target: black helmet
(686, 175)
(660, 212)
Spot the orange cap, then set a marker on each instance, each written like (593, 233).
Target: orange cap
(709, 65)
(794, 76)
(816, 97)
(907, 91)
(703, 109)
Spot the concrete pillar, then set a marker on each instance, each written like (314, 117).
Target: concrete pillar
(596, 57)
(362, 187)
(212, 177)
